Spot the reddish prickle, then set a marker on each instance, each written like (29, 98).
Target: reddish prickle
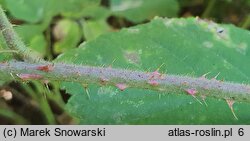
(121, 86)
(155, 75)
(191, 91)
(153, 83)
(30, 76)
(45, 68)
(230, 103)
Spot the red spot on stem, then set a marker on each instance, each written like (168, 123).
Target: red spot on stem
(121, 86)
(191, 91)
(155, 75)
(30, 76)
(45, 68)
(153, 83)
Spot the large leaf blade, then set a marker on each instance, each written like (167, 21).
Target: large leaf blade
(186, 46)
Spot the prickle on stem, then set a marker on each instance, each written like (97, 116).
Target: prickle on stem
(192, 92)
(204, 75)
(85, 86)
(153, 83)
(230, 103)
(45, 68)
(215, 78)
(110, 66)
(46, 83)
(121, 86)
(24, 76)
(156, 74)
(203, 97)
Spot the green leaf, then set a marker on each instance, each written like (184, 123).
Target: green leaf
(185, 46)
(34, 38)
(94, 28)
(2, 43)
(4, 56)
(38, 43)
(140, 10)
(95, 12)
(35, 11)
(2, 2)
(67, 34)
(11, 115)
(29, 10)
(79, 8)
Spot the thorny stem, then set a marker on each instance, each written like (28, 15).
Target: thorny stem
(36, 69)
(14, 42)
(110, 76)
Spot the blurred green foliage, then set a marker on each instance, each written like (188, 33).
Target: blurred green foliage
(140, 10)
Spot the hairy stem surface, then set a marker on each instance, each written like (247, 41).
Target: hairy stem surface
(14, 42)
(36, 69)
(126, 78)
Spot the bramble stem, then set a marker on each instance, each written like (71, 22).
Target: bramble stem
(36, 69)
(14, 42)
(134, 79)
